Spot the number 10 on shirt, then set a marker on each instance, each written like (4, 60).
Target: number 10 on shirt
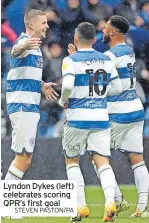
(94, 81)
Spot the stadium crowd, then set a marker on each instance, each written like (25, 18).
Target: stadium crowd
(63, 17)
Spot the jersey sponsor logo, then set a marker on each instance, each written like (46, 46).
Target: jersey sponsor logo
(93, 104)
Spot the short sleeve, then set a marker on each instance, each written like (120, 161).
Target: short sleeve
(20, 41)
(68, 67)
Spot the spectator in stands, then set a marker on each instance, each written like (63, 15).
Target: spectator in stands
(6, 29)
(96, 13)
(8, 34)
(144, 80)
(56, 56)
(145, 13)
(145, 76)
(53, 56)
(130, 10)
(41, 4)
(71, 16)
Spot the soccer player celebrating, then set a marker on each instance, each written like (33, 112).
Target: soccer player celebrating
(23, 92)
(87, 75)
(126, 112)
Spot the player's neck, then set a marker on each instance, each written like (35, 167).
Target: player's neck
(116, 41)
(84, 47)
(31, 33)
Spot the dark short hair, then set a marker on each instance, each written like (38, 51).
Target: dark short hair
(29, 14)
(86, 31)
(119, 22)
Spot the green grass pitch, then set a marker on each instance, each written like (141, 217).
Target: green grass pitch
(95, 201)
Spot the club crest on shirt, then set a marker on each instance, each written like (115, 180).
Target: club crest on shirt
(76, 147)
(32, 142)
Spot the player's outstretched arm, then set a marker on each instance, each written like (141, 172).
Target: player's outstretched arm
(48, 91)
(20, 48)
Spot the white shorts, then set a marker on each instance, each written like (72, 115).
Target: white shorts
(76, 141)
(24, 129)
(127, 137)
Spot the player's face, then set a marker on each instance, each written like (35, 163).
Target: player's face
(41, 26)
(106, 32)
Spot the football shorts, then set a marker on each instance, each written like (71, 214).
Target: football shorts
(127, 137)
(76, 141)
(24, 129)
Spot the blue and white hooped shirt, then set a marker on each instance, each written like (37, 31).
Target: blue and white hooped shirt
(126, 107)
(93, 71)
(24, 81)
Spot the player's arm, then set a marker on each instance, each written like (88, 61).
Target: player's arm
(67, 87)
(20, 48)
(115, 83)
(68, 80)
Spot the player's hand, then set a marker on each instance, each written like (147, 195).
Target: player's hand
(49, 92)
(32, 43)
(71, 49)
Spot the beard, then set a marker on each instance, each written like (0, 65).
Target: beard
(106, 39)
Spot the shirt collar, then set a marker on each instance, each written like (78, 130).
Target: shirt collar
(121, 44)
(86, 49)
(24, 34)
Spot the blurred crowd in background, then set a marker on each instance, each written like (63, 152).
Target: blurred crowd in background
(63, 17)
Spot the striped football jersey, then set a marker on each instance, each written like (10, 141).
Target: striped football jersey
(24, 81)
(126, 107)
(87, 104)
